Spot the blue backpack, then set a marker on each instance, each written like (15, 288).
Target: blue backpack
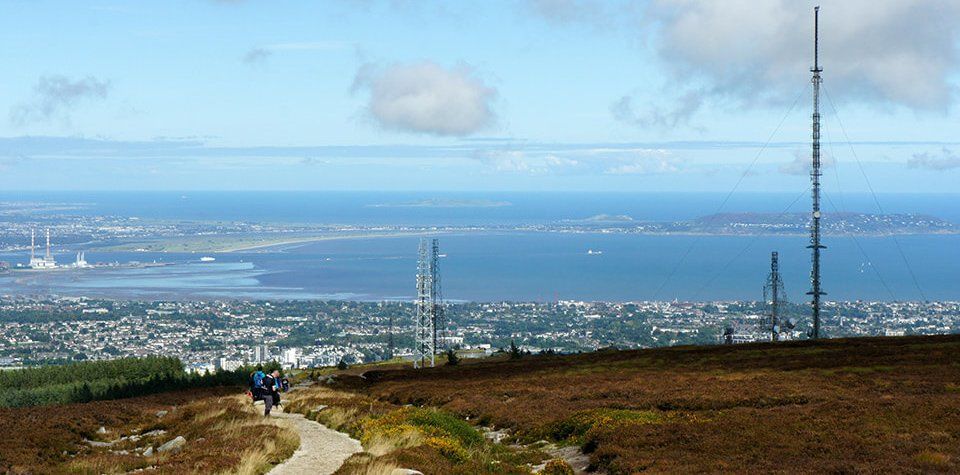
(258, 379)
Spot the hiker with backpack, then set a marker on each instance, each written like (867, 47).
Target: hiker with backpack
(269, 392)
(256, 385)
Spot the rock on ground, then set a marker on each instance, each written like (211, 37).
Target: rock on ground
(174, 445)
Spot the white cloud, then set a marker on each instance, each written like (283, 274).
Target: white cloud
(510, 161)
(55, 96)
(569, 11)
(753, 52)
(557, 162)
(649, 162)
(259, 54)
(427, 98)
(802, 163)
(9, 162)
(654, 116)
(947, 160)
(599, 161)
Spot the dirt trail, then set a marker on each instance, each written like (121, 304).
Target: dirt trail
(322, 450)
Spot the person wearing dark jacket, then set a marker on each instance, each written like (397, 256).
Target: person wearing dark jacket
(270, 394)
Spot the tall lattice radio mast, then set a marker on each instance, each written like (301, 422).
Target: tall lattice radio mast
(815, 292)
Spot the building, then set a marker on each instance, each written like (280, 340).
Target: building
(47, 261)
(261, 354)
(224, 364)
(291, 357)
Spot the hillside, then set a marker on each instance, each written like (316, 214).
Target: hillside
(118, 415)
(845, 405)
(221, 431)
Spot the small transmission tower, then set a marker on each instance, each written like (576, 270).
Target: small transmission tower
(436, 294)
(815, 292)
(390, 343)
(774, 293)
(424, 330)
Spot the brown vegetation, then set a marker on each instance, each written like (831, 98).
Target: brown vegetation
(849, 405)
(427, 439)
(222, 430)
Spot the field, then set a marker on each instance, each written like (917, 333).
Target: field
(845, 405)
(223, 435)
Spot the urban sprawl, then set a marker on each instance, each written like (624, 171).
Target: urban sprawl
(213, 335)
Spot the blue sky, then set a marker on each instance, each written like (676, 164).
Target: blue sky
(665, 95)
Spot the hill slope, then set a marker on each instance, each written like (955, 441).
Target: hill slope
(846, 405)
(223, 433)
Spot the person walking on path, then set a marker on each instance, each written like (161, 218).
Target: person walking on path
(270, 394)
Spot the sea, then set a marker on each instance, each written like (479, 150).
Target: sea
(500, 265)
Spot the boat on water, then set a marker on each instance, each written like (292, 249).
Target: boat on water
(207, 259)
(591, 252)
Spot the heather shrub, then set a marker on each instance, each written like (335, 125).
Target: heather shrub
(933, 460)
(557, 467)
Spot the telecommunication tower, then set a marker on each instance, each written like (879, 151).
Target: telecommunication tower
(436, 294)
(390, 342)
(773, 292)
(815, 292)
(424, 337)
(429, 320)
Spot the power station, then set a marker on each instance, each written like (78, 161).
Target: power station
(45, 262)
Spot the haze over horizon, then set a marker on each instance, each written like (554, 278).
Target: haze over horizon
(538, 95)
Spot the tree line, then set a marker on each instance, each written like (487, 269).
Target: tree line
(100, 380)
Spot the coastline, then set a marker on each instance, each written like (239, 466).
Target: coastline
(307, 240)
(270, 244)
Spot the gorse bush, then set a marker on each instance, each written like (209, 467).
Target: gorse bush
(446, 424)
(449, 448)
(443, 431)
(100, 380)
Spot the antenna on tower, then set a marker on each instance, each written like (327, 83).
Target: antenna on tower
(774, 289)
(33, 245)
(815, 292)
(424, 331)
(48, 243)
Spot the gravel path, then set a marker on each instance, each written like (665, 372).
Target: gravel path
(322, 450)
